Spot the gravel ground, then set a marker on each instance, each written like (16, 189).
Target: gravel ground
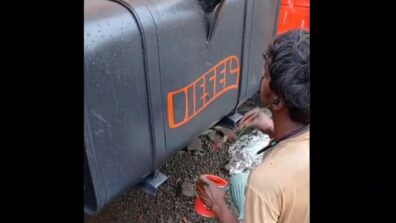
(175, 199)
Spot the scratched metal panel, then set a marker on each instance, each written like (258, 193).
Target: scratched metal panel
(263, 24)
(118, 145)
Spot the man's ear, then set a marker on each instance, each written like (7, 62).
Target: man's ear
(276, 101)
(277, 104)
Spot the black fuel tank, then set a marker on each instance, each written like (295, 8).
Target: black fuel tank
(157, 73)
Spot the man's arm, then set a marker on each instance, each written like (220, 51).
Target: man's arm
(259, 120)
(223, 213)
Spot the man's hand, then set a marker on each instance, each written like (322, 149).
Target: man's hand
(259, 120)
(211, 195)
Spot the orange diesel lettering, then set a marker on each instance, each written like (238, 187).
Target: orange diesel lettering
(223, 77)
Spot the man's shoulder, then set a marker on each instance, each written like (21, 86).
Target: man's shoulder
(291, 153)
(282, 165)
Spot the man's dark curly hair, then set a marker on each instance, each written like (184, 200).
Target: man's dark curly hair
(288, 61)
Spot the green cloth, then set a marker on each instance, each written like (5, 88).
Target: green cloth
(237, 192)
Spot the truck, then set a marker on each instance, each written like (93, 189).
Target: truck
(158, 73)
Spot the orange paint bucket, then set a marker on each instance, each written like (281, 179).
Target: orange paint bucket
(199, 207)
